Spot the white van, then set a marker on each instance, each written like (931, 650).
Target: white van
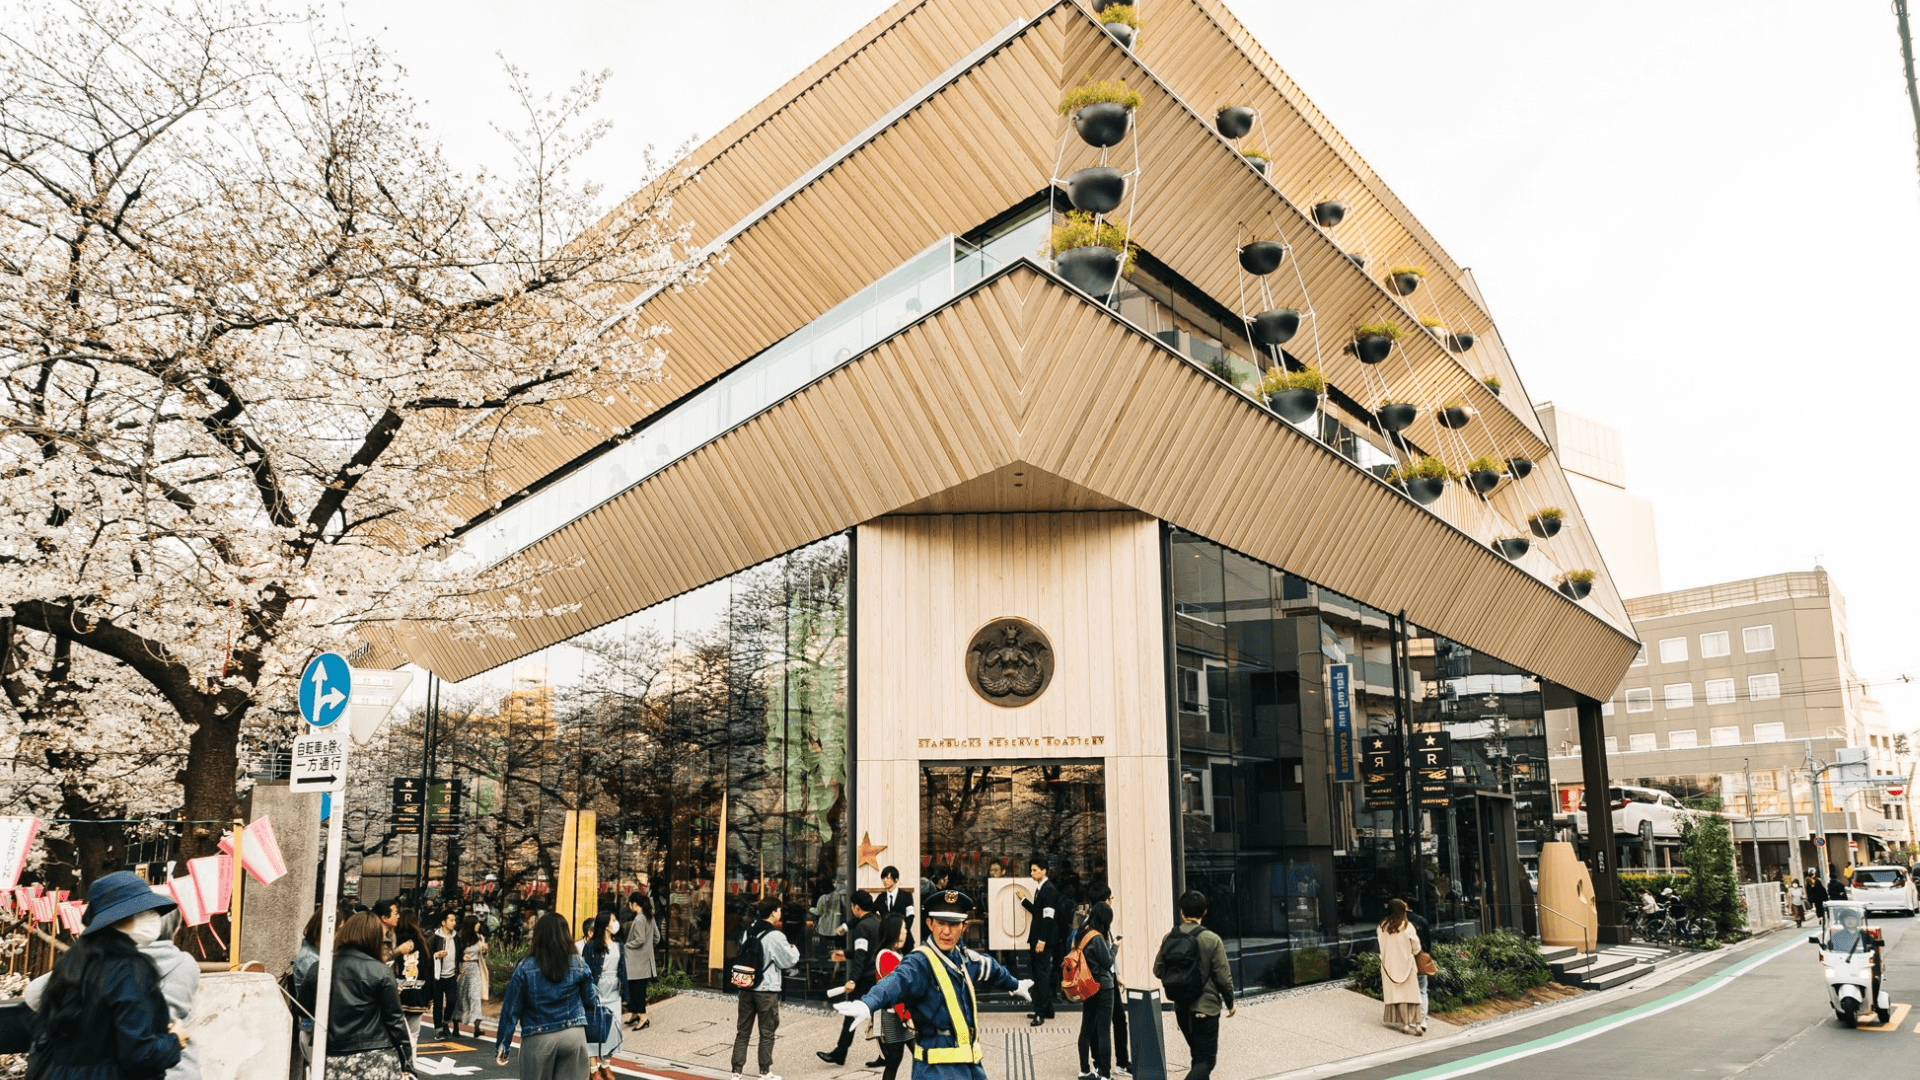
(1884, 888)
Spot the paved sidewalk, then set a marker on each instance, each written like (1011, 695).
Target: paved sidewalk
(693, 1034)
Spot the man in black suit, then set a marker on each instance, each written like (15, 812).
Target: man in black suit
(890, 900)
(1048, 920)
(863, 945)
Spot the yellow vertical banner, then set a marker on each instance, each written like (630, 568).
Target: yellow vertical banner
(563, 887)
(586, 871)
(717, 920)
(577, 894)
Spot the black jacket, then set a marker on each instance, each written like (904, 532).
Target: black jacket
(128, 1039)
(863, 948)
(364, 1009)
(901, 904)
(1050, 915)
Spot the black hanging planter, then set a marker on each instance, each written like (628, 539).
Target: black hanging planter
(1513, 548)
(1121, 32)
(1092, 270)
(1483, 480)
(1103, 123)
(1234, 121)
(1262, 256)
(1454, 417)
(1097, 190)
(1426, 490)
(1576, 590)
(1404, 284)
(1296, 405)
(1275, 327)
(1329, 213)
(1519, 467)
(1396, 417)
(1357, 260)
(1459, 341)
(1545, 528)
(1372, 348)
(1259, 164)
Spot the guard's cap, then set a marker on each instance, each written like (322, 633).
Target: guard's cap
(951, 905)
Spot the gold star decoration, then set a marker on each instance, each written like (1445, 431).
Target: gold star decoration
(870, 851)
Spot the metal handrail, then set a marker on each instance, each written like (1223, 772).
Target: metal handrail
(1588, 949)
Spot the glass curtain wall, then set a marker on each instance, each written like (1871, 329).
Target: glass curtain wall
(715, 720)
(1298, 862)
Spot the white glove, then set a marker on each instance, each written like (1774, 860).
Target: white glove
(1024, 991)
(856, 1010)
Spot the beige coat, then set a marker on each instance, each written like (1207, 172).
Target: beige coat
(1398, 982)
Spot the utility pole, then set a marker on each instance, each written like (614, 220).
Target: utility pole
(1906, 56)
(1819, 814)
(1753, 835)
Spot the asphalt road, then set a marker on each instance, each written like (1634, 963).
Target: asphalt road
(1758, 1013)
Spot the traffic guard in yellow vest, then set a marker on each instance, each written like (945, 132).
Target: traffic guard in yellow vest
(936, 984)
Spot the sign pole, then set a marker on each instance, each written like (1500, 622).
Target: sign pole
(233, 903)
(329, 912)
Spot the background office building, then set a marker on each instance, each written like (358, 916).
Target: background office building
(921, 556)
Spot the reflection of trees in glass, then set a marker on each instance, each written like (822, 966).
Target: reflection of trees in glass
(1014, 812)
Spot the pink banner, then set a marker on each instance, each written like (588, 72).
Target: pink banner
(185, 895)
(44, 908)
(16, 841)
(261, 857)
(71, 914)
(212, 877)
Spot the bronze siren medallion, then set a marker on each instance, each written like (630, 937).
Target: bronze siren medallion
(1009, 662)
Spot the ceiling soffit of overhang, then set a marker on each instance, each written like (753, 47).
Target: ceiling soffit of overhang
(1021, 370)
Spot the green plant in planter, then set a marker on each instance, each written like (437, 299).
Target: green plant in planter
(1411, 271)
(1255, 155)
(1549, 513)
(1433, 324)
(1386, 328)
(1584, 577)
(1079, 230)
(1279, 378)
(1096, 91)
(1429, 467)
(1119, 13)
(1483, 463)
(1492, 382)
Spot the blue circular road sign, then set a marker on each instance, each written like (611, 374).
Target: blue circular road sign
(325, 688)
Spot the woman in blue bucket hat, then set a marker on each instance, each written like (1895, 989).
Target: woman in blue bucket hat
(103, 1016)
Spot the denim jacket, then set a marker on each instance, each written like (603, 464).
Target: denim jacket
(539, 1006)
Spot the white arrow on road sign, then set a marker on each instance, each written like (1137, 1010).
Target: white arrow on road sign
(444, 1067)
(325, 686)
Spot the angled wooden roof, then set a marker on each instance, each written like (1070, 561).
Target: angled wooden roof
(1022, 372)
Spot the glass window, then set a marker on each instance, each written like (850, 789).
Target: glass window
(1679, 695)
(1613, 745)
(1606, 708)
(1726, 736)
(1640, 658)
(1758, 638)
(1640, 699)
(1673, 650)
(1683, 739)
(1761, 687)
(1774, 732)
(1642, 743)
(1719, 691)
(1714, 644)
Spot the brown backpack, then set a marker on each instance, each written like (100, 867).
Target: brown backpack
(1076, 975)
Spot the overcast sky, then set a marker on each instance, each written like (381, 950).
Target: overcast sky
(1695, 222)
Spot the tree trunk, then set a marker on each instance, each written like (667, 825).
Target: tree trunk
(213, 763)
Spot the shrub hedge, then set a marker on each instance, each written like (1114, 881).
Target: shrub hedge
(1499, 964)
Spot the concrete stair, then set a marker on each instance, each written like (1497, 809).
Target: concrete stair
(1598, 971)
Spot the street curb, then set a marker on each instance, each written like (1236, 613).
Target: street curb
(1518, 1021)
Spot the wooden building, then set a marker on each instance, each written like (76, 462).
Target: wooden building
(921, 556)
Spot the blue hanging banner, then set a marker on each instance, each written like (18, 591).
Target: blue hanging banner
(1340, 693)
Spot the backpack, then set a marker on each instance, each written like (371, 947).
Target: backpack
(1076, 975)
(1181, 970)
(750, 965)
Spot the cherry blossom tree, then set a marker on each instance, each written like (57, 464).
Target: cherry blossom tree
(262, 350)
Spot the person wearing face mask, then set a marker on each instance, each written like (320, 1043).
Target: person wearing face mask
(102, 1014)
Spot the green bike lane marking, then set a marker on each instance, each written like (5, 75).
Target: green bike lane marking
(1595, 1027)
